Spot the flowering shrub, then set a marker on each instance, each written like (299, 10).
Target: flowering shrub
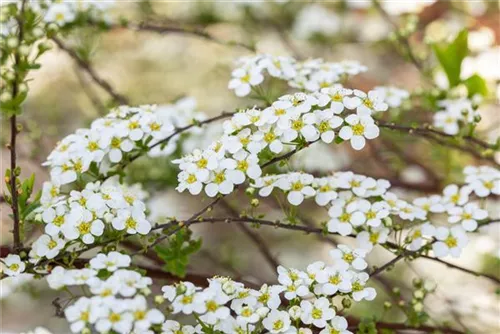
(89, 204)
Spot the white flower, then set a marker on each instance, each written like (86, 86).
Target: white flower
(12, 265)
(48, 246)
(277, 322)
(220, 181)
(430, 204)
(294, 282)
(82, 225)
(467, 216)
(454, 195)
(345, 257)
(244, 79)
(486, 185)
(114, 316)
(266, 136)
(359, 128)
(60, 13)
(298, 187)
(446, 121)
(338, 325)
(342, 216)
(111, 261)
(359, 184)
(336, 95)
(416, 236)
(143, 317)
(302, 125)
(281, 112)
(325, 190)
(173, 327)
(374, 213)
(366, 240)
(83, 312)
(130, 281)
(132, 220)
(249, 314)
(451, 241)
(119, 145)
(269, 296)
(366, 104)
(55, 218)
(359, 291)
(393, 96)
(246, 164)
(325, 122)
(212, 302)
(316, 313)
(331, 280)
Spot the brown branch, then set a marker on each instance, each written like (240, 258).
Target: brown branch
(441, 138)
(84, 65)
(193, 31)
(13, 136)
(259, 242)
(465, 270)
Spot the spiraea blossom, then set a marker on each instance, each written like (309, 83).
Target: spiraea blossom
(311, 75)
(456, 114)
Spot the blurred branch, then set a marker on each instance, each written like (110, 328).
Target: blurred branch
(164, 29)
(444, 139)
(100, 107)
(255, 237)
(87, 67)
(404, 41)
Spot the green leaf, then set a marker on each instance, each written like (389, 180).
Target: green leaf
(451, 56)
(176, 254)
(476, 85)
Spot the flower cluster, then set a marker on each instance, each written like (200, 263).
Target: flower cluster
(85, 216)
(361, 204)
(310, 75)
(124, 131)
(229, 307)
(116, 301)
(288, 122)
(61, 12)
(393, 96)
(456, 114)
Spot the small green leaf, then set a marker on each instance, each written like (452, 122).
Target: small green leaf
(451, 56)
(476, 85)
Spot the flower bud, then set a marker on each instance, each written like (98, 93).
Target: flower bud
(255, 202)
(159, 300)
(346, 302)
(295, 312)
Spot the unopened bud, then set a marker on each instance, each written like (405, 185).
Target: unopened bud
(159, 300)
(346, 302)
(255, 202)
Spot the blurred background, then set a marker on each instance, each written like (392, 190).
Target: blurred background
(147, 67)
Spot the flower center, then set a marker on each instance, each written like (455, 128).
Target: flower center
(345, 217)
(191, 179)
(92, 146)
(242, 165)
(356, 286)
(58, 221)
(211, 306)
(278, 324)
(348, 257)
(84, 228)
(334, 279)
(374, 237)
(316, 313)
(219, 178)
(130, 223)
(358, 129)
(52, 244)
(297, 186)
(116, 142)
(114, 317)
(297, 125)
(269, 137)
(202, 163)
(451, 242)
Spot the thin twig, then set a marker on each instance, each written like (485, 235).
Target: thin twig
(86, 66)
(193, 31)
(13, 135)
